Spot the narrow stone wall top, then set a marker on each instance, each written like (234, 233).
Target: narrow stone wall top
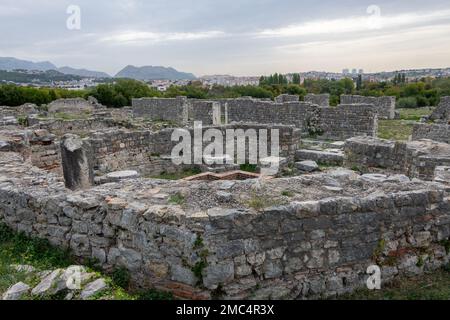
(287, 98)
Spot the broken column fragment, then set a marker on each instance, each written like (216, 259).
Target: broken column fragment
(77, 166)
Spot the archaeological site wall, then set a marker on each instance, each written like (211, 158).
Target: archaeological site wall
(385, 106)
(436, 132)
(347, 121)
(60, 127)
(287, 98)
(149, 152)
(416, 159)
(158, 109)
(322, 100)
(442, 112)
(318, 247)
(74, 106)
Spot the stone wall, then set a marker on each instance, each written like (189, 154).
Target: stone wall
(442, 112)
(322, 100)
(39, 147)
(348, 121)
(416, 159)
(73, 106)
(385, 106)
(201, 110)
(60, 127)
(436, 132)
(159, 109)
(309, 249)
(266, 112)
(149, 152)
(287, 98)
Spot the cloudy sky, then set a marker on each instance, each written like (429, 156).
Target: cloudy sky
(240, 37)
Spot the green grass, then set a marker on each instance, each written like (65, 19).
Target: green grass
(414, 114)
(178, 175)
(18, 249)
(177, 199)
(260, 202)
(398, 130)
(432, 286)
(287, 193)
(72, 116)
(252, 168)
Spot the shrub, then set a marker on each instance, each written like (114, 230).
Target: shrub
(410, 102)
(121, 277)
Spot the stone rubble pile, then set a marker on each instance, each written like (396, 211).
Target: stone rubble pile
(72, 283)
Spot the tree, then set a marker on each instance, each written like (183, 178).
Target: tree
(359, 83)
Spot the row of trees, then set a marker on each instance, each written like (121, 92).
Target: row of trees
(425, 92)
(12, 95)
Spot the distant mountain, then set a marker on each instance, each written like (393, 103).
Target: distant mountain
(10, 64)
(153, 73)
(83, 72)
(36, 77)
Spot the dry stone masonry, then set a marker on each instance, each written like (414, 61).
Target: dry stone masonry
(436, 132)
(442, 112)
(317, 243)
(322, 100)
(83, 185)
(385, 106)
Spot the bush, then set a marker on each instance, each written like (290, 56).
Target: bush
(410, 102)
(121, 277)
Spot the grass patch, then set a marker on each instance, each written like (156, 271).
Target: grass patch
(71, 116)
(432, 286)
(398, 130)
(260, 202)
(178, 175)
(252, 168)
(177, 199)
(414, 114)
(287, 193)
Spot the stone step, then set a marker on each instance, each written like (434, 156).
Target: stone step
(327, 157)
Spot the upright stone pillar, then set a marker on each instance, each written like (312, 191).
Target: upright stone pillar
(76, 155)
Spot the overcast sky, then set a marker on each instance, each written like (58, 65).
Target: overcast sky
(240, 37)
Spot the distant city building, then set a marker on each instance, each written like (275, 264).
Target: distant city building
(346, 71)
(354, 71)
(361, 71)
(229, 81)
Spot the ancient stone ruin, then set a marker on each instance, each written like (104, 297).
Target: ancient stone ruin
(384, 105)
(336, 206)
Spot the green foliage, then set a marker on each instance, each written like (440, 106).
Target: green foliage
(410, 102)
(198, 244)
(120, 93)
(178, 175)
(430, 286)
(252, 168)
(414, 114)
(12, 95)
(287, 193)
(177, 199)
(154, 295)
(121, 277)
(18, 248)
(198, 268)
(398, 130)
(23, 121)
